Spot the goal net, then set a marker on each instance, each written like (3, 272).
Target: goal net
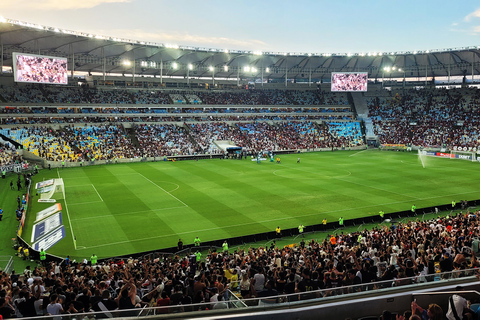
(464, 155)
(53, 192)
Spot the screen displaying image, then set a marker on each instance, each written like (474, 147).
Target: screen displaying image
(349, 81)
(39, 69)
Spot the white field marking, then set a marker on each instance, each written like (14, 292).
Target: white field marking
(80, 203)
(97, 192)
(173, 184)
(125, 213)
(68, 214)
(357, 153)
(260, 222)
(163, 190)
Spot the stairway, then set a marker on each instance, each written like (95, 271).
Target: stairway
(130, 132)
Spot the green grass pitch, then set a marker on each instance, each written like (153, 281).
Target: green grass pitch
(120, 209)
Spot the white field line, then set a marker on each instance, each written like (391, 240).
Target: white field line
(163, 190)
(68, 214)
(257, 222)
(97, 192)
(357, 153)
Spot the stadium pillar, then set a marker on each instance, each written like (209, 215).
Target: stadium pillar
(161, 71)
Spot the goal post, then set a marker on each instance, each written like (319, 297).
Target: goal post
(53, 192)
(464, 155)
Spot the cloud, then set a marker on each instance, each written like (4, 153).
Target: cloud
(186, 39)
(49, 5)
(474, 14)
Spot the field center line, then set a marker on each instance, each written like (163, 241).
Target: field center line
(163, 190)
(97, 192)
(68, 215)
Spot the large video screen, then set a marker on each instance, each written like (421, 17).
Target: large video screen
(349, 81)
(39, 69)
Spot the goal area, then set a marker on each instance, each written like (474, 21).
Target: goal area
(52, 192)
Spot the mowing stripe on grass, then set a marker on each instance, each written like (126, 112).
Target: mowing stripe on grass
(127, 213)
(81, 203)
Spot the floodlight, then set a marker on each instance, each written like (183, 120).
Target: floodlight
(174, 65)
(2, 19)
(226, 50)
(190, 66)
(393, 68)
(126, 63)
(254, 69)
(246, 69)
(399, 69)
(267, 70)
(210, 68)
(225, 68)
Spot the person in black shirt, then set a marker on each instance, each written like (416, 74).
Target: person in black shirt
(6, 309)
(106, 304)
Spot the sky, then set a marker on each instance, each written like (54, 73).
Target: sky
(304, 26)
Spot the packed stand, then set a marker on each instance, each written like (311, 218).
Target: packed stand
(100, 142)
(402, 254)
(159, 140)
(428, 118)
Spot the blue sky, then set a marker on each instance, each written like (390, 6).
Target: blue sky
(308, 26)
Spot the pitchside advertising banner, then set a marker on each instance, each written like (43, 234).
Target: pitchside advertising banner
(46, 226)
(50, 239)
(47, 212)
(469, 157)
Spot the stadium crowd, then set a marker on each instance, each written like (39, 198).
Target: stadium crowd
(428, 118)
(108, 141)
(398, 255)
(86, 95)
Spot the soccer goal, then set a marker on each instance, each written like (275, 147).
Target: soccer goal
(52, 192)
(464, 155)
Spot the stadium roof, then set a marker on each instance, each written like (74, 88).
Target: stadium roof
(98, 54)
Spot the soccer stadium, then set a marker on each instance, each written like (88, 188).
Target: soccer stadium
(145, 180)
